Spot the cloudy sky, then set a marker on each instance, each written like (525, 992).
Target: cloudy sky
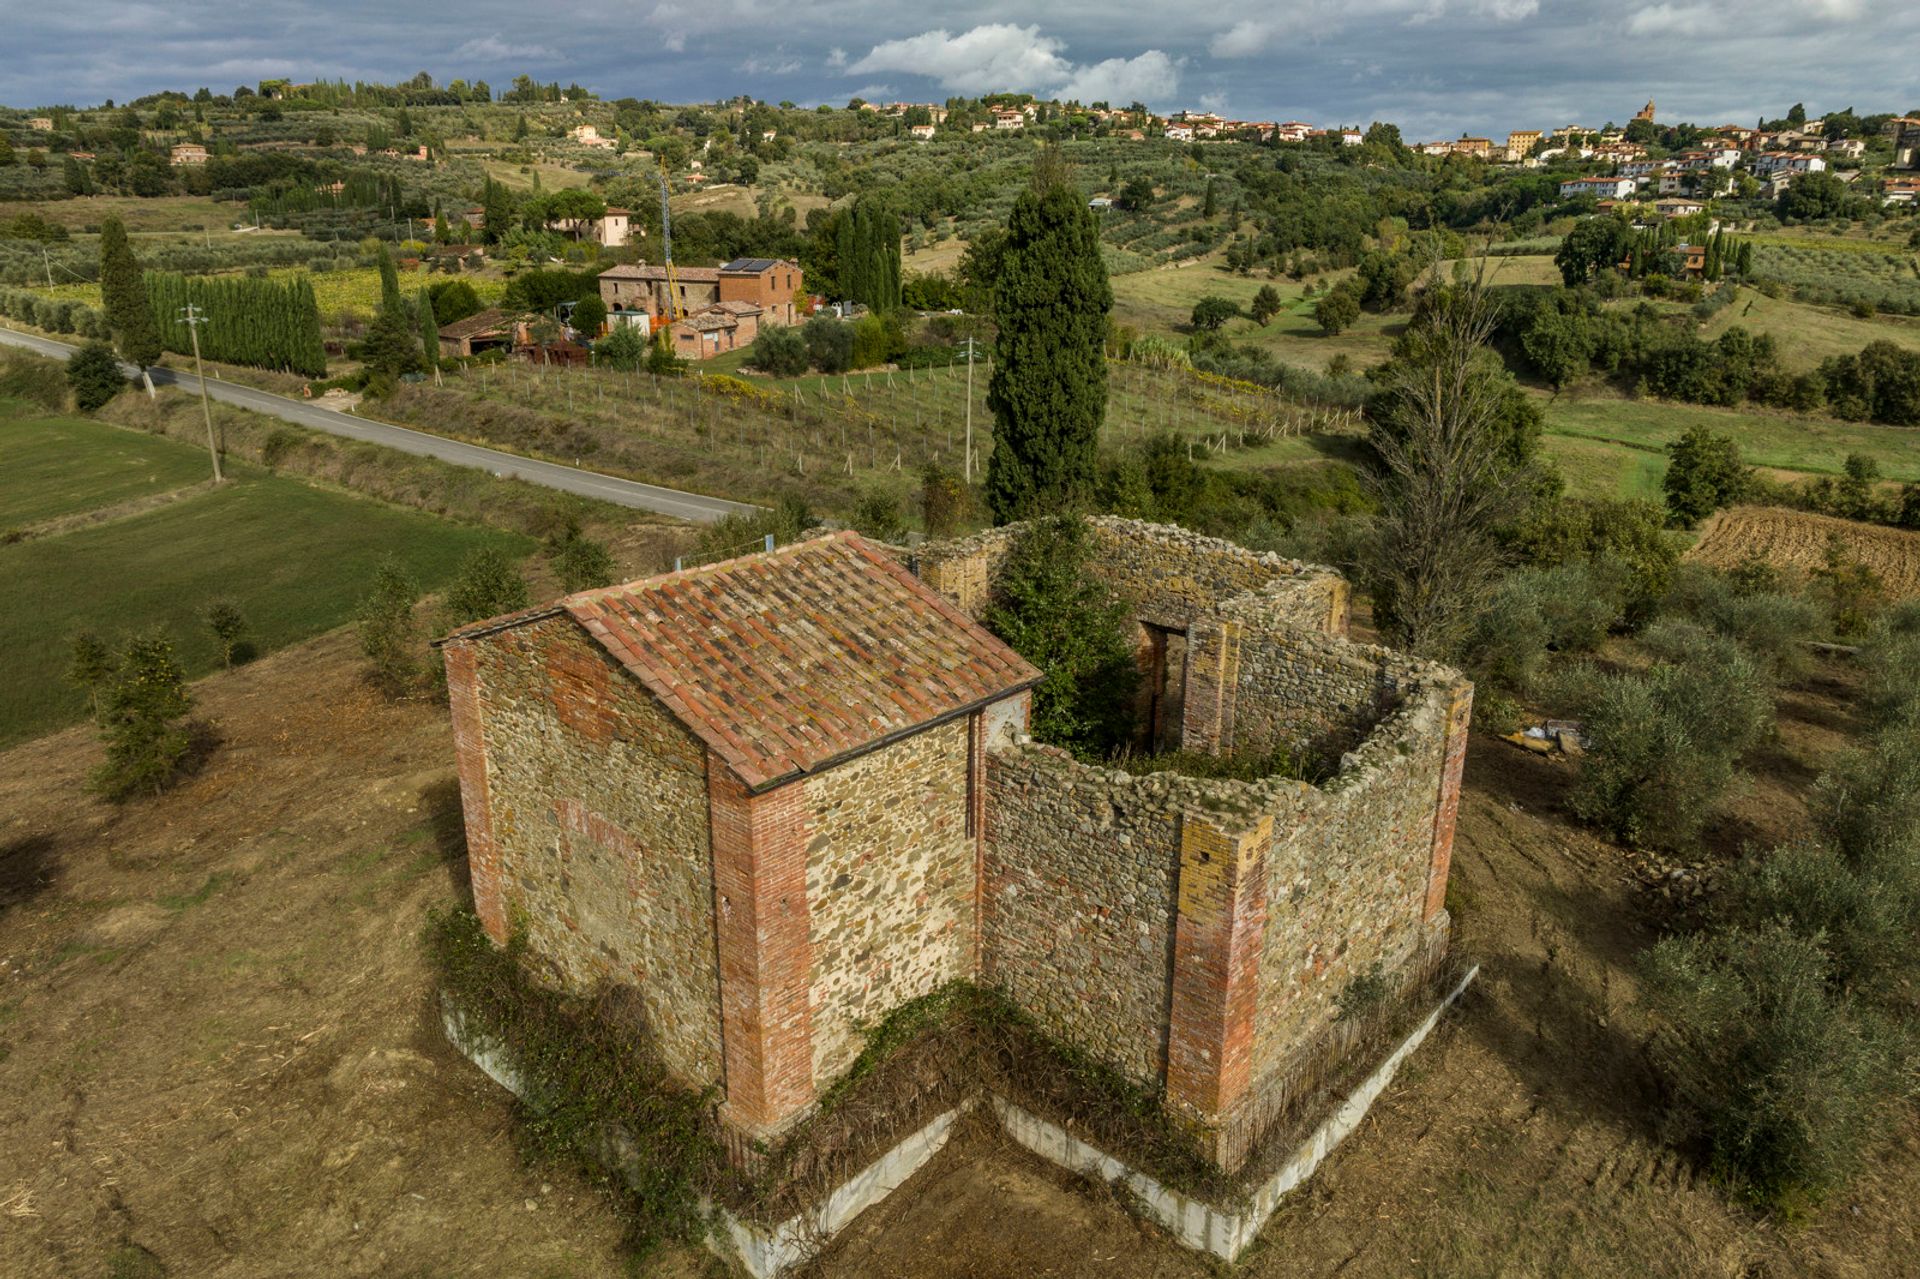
(1436, 67)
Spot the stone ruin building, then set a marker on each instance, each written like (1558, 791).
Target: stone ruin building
(783, 794)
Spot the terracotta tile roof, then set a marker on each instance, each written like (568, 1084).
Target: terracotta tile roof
(648, 271)
(788, 662)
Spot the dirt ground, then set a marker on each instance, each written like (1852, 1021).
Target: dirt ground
(219, 1054)
(1798, 540)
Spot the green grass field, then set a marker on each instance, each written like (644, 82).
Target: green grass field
(1807, 334)
(295, 558)
(43, 475)
(1814, 445)
(1161, 301)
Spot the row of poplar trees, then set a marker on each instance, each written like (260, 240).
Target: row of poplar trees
(264, 324)
(261, 323)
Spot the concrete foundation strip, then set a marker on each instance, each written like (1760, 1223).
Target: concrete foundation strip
(1226, 1232)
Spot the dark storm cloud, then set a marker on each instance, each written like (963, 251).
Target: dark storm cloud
(1436, 67)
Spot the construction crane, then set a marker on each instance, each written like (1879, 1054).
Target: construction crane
(666, 242)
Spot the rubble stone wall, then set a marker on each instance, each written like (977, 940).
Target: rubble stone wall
(1078, 901)
(890, 885)
(597, 800)
(1170, 575)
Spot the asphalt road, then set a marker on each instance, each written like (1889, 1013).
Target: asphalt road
(568, 479)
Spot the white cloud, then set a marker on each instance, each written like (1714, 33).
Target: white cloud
(494, 48)
(775, 64)
(1673, 20)
(1242, 40)
(1149, 77)
(836, 57)
(872, 93)
(1002, 56)
(997, 55)
(1507, 10)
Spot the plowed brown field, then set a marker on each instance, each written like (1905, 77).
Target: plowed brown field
(1798, 540)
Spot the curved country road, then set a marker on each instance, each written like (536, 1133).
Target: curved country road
(568, 479)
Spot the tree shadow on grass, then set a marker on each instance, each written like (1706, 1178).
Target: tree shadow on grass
(27, 869)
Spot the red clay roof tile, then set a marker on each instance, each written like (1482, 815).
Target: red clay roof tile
(785, 662)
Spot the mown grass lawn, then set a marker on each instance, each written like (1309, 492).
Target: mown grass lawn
(297, 560)
(62, 466)
(1781, 441)
(1806, 334)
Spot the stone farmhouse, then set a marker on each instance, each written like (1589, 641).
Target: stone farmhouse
(713, 309)
(781, 795)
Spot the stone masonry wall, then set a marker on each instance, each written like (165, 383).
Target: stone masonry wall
(1347, 880)
(597, 804)
(1078, 902)
(890, 885)
(1297, 688)
(1172, 576)
(1277, 893)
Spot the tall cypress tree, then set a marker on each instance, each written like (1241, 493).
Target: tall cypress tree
(429, 331)
(389, 282)
(123, 295)
(1049, 389)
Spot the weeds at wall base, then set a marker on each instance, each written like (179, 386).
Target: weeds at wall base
(595, 1097)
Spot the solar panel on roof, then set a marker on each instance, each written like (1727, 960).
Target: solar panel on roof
(750, 264)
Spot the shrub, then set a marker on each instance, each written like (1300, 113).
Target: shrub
(581, 563)
(389, 635)
(1889, 658)
(1853, 591)
(780, 351)
(36, 380)
(876, 514)
(1068, 624)
(1866, 805)
(1704, 473)
(1785, 1080)
(488, 584)
(625, 348)
(1567, 609)
(829, 343)
(94, 374)
(89, 668)
(1663, 744)
(789, 520)
(1770, 624)
(1628, 537)
(1862, 921)
(141, 721)
(943, 501)
(1507, 647)
(229, 627)
(1336, 311)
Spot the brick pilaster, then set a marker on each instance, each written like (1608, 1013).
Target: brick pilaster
(470, 758)
(1452, 763)
(1213, 673)
(977, 828)
(760, 898)
(1219, 930)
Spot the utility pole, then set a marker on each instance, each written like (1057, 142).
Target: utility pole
(47, 261)
(969, 463)
(191, 317)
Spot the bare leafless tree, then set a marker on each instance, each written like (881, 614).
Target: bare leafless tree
(1440, 477)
